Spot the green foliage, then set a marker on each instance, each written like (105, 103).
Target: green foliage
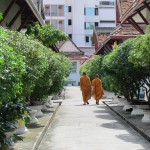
(148, 29)
(33, 57)
(53, 79)
(58, 65)
(127, 78)
(93, 67)
(12, 69)
(1, 16)
(140, 56)
(27, 70)
(9, 113)
(47, 34)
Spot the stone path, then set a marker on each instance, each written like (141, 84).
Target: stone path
(90, 127)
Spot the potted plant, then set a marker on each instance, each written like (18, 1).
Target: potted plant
(9, 114)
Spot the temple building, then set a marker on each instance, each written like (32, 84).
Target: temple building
(132, 17)
(17, 14)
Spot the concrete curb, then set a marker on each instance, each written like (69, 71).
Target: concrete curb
(40, 137)
(131, 124)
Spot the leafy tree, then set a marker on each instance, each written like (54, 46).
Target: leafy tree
(93, 67)
(140, 57)
(53, 79)
(59, 66)
(34, 57)
(48, 34)
(127, 77)
(12, 69)
(109, 79)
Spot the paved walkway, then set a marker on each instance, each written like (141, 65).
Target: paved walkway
(90, 127)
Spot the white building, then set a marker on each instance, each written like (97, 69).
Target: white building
(76, 56)
(78, 18)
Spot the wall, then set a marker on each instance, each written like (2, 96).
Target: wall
(52, 2)
(78, 22)
(107, 13)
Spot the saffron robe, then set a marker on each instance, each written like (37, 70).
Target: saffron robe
(85, 85)
(98, 89)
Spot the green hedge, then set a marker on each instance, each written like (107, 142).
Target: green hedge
(28, 71)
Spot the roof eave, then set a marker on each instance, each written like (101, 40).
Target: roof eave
(130, 10)
(35, 11)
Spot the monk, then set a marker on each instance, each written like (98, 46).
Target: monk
(97, 89)
(85, 85)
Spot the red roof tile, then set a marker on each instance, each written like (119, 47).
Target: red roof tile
(125, 30)
(124, 5)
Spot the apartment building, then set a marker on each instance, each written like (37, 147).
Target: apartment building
(78, 18)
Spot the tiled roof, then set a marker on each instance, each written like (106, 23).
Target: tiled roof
(125, 30)
(125, 5)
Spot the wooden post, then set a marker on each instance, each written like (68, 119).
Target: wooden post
(144, 19)
(135, 25)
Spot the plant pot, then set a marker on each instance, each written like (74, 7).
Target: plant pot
(46, 109)
(55, 97)
(146, 117)
(138, 109)
(38, 114)
(127, 106)
(33, 120)
(9, 135)
(21, 128)
(122, 101)
(36, 103)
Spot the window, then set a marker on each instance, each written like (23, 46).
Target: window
(69, 22)
(89, 25)
(60, 22)
(89, 12)
(54, 10)
(47, 7)
(87, 39)
(70, 35)
(74, 67)
(69, 8)
(96, 24)
(54, 22)
(96, 11)
(107, 3)
(57, 10)
(107, 21)
(47, 10)
(60, 7)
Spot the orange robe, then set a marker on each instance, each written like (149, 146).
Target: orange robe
(85, 85)
(98, 89)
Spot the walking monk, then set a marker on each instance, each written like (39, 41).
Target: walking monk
(97, 89)
(85, 85)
